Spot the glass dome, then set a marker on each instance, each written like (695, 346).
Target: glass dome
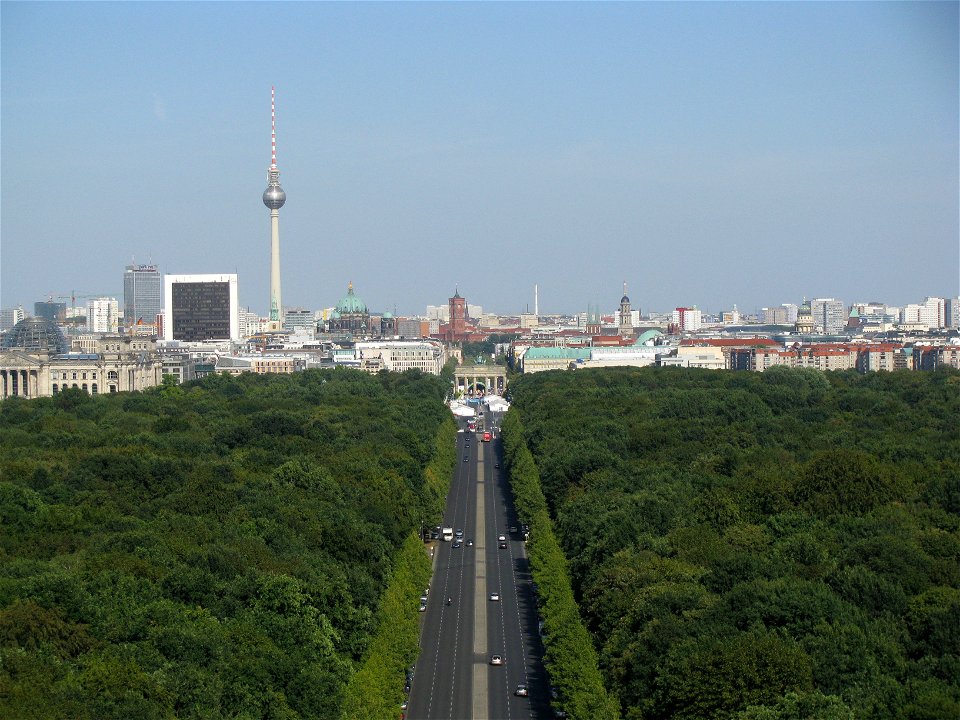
(36, 335)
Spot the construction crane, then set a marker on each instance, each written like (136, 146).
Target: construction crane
(72, 297)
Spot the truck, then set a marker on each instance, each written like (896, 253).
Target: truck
(447, 534)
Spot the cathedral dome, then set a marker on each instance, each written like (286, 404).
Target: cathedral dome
(350, 303)
(36, 335)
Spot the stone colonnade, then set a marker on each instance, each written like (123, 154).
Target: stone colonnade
(492, 377)
(21, 382)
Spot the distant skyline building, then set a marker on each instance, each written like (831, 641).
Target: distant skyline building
(351, 316)
(142, 294)
(458, 316)
(951, 312)
(829, 315)
(299, 318)
(274, 197)
(625, 324)
(10, 317)
(50, 310)
(687, 319)
(201, 307)
(931, 312)
(103, 315)
(804, 324)
(440, 313)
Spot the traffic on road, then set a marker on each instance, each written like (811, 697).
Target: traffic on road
(480, 652)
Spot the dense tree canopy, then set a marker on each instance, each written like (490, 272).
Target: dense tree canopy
(746, 545)
(214, 550)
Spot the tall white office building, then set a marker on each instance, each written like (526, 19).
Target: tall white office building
(103, 315)
(931, 312)
(10, 317)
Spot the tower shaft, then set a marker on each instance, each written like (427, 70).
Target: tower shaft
(276, 305)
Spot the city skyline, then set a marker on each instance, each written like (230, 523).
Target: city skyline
(707, 155)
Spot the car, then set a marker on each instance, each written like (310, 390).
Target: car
(456, 544)
(496, 660)
(459, 533)
(423, 607)
(495, 597)
(465, 459)
(497, 465)
(469, 543)
(513, 528)
(521, 690)
(503, 546)
(501, 538)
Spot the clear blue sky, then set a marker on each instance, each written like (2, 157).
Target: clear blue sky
(706, 153)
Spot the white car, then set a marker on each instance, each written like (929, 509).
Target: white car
(495, 597)
(496, 660)
(502, 538)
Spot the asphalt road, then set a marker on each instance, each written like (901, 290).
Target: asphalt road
(453, 677)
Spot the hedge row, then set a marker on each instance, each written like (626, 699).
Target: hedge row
(376, 689)
(570, 655)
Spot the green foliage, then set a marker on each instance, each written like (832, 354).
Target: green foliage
(376, 689)
(782, 544)
(223, 549)
(716, 677)
(570, 654)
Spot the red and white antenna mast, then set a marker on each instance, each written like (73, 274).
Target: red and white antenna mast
(273, 129)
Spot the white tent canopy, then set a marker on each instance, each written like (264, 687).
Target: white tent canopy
(461, 410)
(496, 403)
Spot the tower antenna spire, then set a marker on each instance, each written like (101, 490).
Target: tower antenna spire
(273, 129)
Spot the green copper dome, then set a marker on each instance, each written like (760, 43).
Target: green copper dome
(350, 303)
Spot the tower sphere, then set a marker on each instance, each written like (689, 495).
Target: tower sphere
(274, 197)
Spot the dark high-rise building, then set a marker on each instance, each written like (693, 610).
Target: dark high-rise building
(56, 311)
(142, 295)
(201, 307)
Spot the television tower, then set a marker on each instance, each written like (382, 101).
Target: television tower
(274, 197)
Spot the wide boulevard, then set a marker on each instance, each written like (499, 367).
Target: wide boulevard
(454, 677)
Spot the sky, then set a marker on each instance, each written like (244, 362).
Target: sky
(706, 154)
